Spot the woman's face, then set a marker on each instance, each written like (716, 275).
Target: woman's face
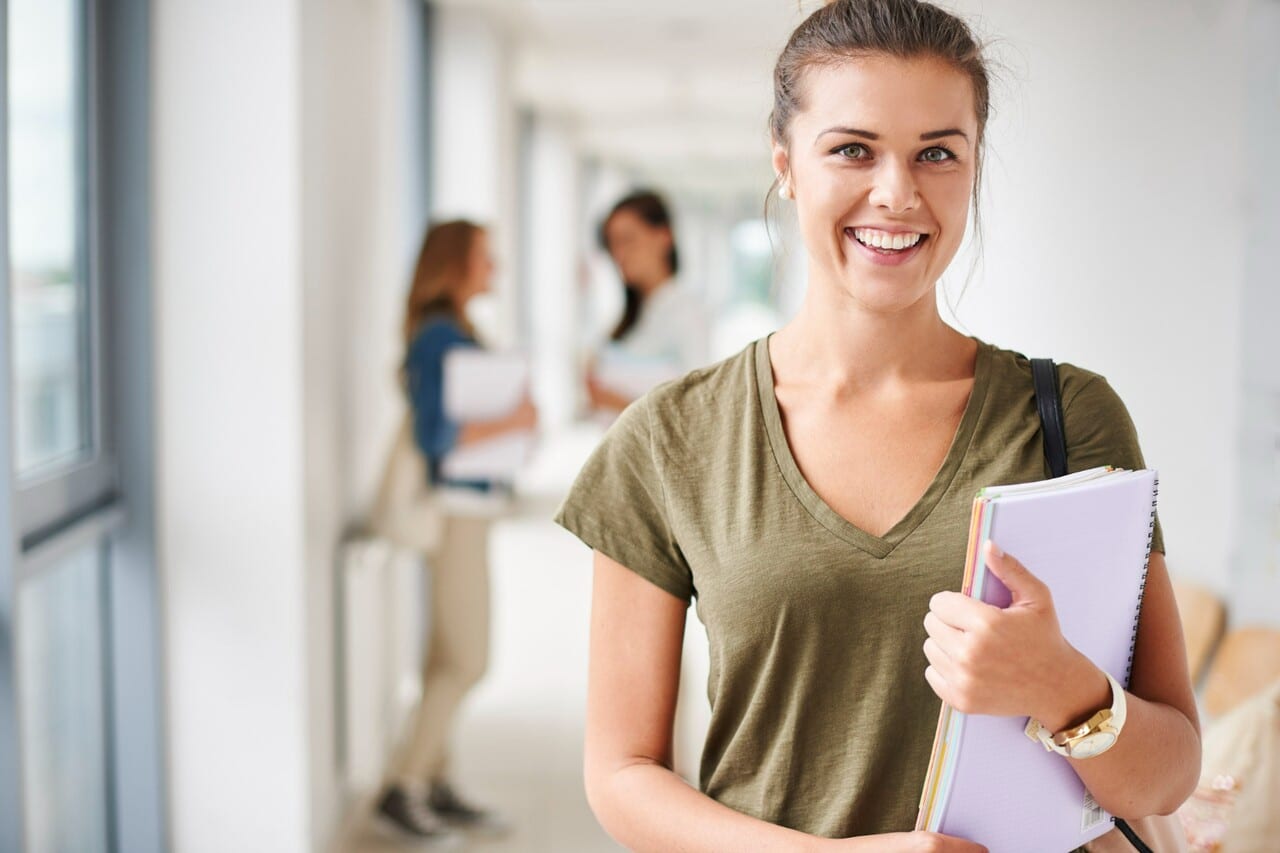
(882, 154)
(640, 251)
(480, 267)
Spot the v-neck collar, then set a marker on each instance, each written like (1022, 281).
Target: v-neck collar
(877, 546)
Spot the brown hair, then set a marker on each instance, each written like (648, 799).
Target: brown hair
(441, 268)
(906, 29)
(650, 207)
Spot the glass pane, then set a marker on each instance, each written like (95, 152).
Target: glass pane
(45, 238)
(61, 700)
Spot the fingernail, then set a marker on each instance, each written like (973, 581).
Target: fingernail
(995, 549)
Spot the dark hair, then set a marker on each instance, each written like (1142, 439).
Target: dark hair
(650, 207)
(441, 268)
(906, 29)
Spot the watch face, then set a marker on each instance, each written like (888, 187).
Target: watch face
(1093, 744)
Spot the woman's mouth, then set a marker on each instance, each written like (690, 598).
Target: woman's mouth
(884, 248)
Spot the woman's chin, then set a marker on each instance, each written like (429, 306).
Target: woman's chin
(884, 295)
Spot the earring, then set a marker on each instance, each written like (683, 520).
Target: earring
(785, 190)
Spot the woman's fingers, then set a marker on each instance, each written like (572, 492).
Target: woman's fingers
(962, 612)
(946, 635)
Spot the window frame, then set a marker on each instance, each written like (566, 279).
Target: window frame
(56, 498)
(49, 513)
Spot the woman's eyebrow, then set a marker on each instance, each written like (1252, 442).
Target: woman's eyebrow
(933, 134)
(848, 131)
(938, 134)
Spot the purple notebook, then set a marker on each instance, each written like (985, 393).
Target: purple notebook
(1089, 541)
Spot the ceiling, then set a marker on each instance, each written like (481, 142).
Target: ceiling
(675, 91)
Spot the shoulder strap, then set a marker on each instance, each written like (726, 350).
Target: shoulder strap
(1044, 373)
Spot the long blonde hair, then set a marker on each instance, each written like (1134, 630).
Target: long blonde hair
(441, 269)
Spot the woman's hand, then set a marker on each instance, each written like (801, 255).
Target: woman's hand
(603, 398)
(1008, 662)
(523, 419)
(525, 416)
(594, 390)
(903, 842)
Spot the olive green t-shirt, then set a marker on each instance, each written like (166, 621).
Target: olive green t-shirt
(821, 718)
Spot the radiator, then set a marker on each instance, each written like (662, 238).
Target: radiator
(382, 607)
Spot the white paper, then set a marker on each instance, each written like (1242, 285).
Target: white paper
(497, 459)
(483, 386)
(634, 376)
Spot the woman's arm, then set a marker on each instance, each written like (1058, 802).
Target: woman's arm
(523, 419)
(604, 398)
(1015, 662)
(637, 631)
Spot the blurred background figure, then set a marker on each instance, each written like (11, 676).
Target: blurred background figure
(664, 329)
(453, 268)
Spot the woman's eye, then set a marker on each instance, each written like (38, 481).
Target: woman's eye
(852, 151)
(937, 155)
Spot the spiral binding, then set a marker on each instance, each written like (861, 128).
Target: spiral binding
(1142, 586)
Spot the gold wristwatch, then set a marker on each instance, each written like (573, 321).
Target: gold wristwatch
(1094, 737)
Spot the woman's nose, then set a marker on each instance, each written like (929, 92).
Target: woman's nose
(894, 188)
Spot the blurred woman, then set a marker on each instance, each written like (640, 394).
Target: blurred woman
(663, 331)
(453, 267)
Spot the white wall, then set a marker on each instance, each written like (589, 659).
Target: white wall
(1115, 224)
(289, 204)
(1255, 570)
(1125, 210)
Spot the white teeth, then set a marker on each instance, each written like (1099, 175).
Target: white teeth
(885, 240)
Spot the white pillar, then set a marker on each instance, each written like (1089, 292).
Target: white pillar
(554, 217)
(230, 485)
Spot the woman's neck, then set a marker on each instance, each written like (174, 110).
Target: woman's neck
(652, 282)
(846, 345)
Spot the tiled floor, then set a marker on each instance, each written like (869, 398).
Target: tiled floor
(519, 738)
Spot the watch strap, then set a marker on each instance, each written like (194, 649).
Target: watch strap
(1060, 742)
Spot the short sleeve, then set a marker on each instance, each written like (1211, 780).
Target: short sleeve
(617, 505)
(1100, 432)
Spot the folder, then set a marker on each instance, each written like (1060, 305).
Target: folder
(480, 385)
(1087, 536)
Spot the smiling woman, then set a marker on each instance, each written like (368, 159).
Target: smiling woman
(813, 494)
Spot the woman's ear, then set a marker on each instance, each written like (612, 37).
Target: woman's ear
(781, 165)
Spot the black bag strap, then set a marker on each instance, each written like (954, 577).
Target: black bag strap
(1044, 373)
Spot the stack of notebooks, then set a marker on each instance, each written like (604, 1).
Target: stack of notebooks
(1087, 536)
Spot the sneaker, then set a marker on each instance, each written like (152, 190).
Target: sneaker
(445, 803)
(410, 815)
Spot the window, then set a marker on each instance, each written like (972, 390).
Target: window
(47, 263)
(61, 695)
(79, 744)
